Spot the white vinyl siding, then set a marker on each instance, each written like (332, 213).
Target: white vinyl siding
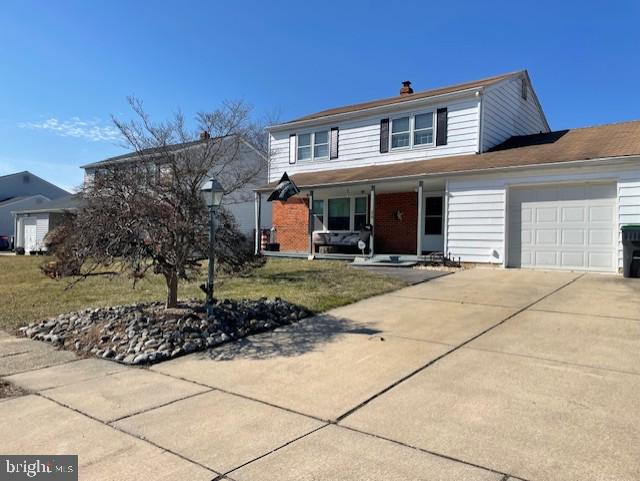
(359, 143)
(505, 113)
(476, 206)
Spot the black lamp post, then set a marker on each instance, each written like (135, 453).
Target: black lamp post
(212, 192)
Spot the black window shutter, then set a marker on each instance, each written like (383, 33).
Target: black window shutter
(334, 143)
(384, 136)
(441, 127)
(292, 149)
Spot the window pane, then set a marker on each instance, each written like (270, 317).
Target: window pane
(321, 151)
(318, 207)
(361, 205)
(318, 222)
(339, 214)
(400, 125)
(304, 153)
(321, 138)
(433, 206)
(433, 225)
(359, 221)
(423, 137)
(399, 140)
(304, 139)
(424, 121)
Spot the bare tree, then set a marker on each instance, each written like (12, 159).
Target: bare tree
(146, 212)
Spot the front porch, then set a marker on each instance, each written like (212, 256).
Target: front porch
(406, 220)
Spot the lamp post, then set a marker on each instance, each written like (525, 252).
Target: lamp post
(212, 192)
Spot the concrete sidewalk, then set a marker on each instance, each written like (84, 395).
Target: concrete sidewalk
(483, 374)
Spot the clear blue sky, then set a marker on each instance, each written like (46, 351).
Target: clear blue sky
(66, 66)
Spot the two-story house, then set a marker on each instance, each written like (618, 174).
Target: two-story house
(471, 170)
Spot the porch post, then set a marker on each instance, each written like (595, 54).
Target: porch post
(372, 219)
(310, 224)
(258, 206)
(420, 219)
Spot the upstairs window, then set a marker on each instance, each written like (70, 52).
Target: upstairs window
(313, 145)
(423, 129)
(412, 131)
(400, 133)
(304, 146)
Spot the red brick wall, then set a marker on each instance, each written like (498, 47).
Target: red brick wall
(393, 236)
(291, 220)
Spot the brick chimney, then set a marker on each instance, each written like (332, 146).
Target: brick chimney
(406, 88)
(205, 135)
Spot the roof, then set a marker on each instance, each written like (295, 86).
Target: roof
(165, 149)
(406, 98)
(11, 200)
(63, 204)
(144, 152)
(588, 143)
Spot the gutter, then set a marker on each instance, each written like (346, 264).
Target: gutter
(570, 163)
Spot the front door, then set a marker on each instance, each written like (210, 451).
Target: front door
(433, 232)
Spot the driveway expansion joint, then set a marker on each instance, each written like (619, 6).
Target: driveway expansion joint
(451, 351)
(115, 428)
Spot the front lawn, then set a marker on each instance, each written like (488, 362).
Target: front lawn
(27, 295)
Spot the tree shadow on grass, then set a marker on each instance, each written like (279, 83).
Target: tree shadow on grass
(293, 340)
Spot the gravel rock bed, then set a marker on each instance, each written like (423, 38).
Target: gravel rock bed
(146, 333)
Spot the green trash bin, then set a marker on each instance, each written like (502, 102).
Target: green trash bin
(631, 250)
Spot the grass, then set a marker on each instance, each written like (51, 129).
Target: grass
(27, 295)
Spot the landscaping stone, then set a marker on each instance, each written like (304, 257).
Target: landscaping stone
(146, 333)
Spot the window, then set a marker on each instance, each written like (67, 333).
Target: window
(320, 144)
(433, 216)
(412, 131)
(318, 214)
(314, 145)
(304, 146)
(339, 214)
(400, 133)
(423, 129)
(360, 213)
(524, 89)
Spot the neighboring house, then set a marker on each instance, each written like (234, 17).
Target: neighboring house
(20, 191)
(471, 170)
(33, 224)
(240, 202)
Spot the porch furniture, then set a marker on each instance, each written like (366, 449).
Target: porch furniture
(340, 242)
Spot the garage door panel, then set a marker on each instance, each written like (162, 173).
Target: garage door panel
(563, 227)
(573, 214)
(546, 214)
(547, 237)
(601, 213)
(573, 237)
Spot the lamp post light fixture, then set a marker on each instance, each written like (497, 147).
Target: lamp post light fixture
(212, 192)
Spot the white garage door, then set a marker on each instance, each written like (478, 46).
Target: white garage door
(563, 227)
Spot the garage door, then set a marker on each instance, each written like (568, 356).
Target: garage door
(563, 227)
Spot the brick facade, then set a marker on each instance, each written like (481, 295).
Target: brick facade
(291, 220)
(393, 235)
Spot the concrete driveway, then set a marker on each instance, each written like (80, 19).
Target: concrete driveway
(480, 375)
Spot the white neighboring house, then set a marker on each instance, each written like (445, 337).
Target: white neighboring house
(240, 202)
(471, 170)
(33, 224)
(23, 190)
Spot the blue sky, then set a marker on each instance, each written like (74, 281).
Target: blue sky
(66, 66)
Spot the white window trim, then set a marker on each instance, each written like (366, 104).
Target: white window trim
(412, 124)
(312, 144)
(352, 211)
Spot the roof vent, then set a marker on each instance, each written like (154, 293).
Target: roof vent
(204, 135)
(406, 88)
